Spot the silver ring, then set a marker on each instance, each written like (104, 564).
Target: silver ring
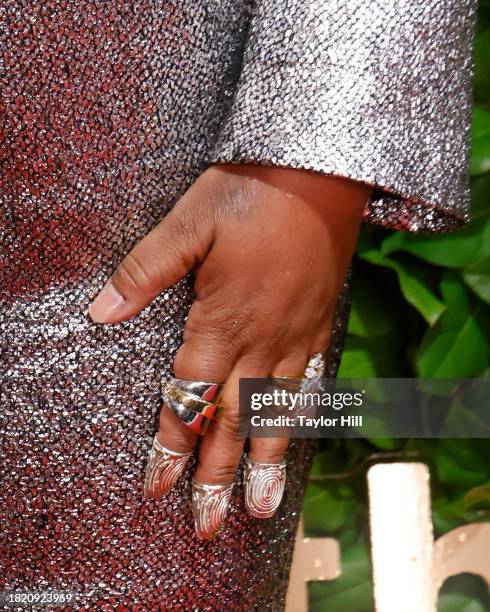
(202, 390)
(310, 382)
(263, 485)
(190, 402)
(163, 469)
(194, 402)
(210, 504)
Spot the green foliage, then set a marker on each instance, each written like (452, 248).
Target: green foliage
(351, 592)
(420, 308)
(480, 159)
(464, 593)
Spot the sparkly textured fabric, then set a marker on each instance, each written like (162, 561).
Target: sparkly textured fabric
(109, 110)
(379, 91)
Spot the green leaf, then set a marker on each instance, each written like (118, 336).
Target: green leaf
(480, 197)
(454, 250)
(449, 353)
(457, 346)
(480, 143)
(456, 602)
(447, 515)
(463, 420)
(481, 80)
(412, 285)
(331, 462)
(461, 464)
(478, 496)
(454, 292)
(325, 511)
(370, 315)
(477, 277)
(370, 237)
(388, 444)
(352, 591)
(483, 14)
(464, 593)
(480, 147)
(366, 358)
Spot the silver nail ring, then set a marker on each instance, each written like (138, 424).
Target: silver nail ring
(163, 469)
(264, 485)
(210, 507)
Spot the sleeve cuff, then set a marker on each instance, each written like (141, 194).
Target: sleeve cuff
(379, 92)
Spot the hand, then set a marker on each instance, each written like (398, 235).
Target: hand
(270, 248)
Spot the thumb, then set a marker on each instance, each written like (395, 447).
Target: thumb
(159, 260)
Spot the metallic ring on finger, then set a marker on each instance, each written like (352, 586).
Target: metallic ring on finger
(194, 421)
(309, 382)
(210, 504)
(314, 368)
(163, 469)
(264, 485)
(193, 402)
(203, 390)
(190, 402)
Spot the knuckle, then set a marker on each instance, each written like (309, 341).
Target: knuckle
(271, 452)
(264, 339)
(217, 328)
(196, 365)
(194, 327)
(224, 471)
(279, 335)
(178, 439)
(293, 363)
(134, 273)
(231, 425)
(182, 226)
(183, 223)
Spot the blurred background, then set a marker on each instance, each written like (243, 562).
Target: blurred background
(421, 308)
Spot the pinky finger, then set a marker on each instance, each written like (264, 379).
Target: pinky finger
(265, 476)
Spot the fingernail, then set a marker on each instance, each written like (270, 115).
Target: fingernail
(103, 308)
(163, 469)
(210, 505)
(264, 485)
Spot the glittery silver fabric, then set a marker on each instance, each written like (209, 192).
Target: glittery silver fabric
(377, 90)
(109, 110)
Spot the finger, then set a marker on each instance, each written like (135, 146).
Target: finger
(292, 365)
(158, 261)
(174, 441)
(220, 452)
(264, 477)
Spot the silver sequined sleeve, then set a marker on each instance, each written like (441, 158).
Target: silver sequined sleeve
(375, 90)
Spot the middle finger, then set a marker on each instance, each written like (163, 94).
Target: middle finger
(220, 452)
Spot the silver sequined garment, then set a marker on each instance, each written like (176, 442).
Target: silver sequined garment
(109, 110)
